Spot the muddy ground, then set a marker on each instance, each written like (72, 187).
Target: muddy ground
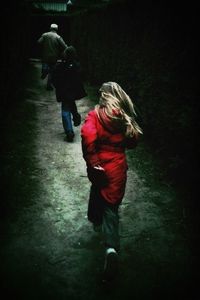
(48, 247)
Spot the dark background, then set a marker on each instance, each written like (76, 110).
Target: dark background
(150, 49)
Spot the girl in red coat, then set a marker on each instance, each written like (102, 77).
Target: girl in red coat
(107, 131)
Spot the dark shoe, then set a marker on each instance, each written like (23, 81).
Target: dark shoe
(111, 266)
(97, 227)
(77, 120)
(69, 137)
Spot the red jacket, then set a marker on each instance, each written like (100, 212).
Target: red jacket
(101, 147)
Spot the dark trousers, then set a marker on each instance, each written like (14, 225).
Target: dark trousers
(47, 70)
(103, 213)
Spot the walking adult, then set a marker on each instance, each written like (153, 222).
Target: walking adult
(52, 46)
(107, 132)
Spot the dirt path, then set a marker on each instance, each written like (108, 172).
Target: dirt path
(51, 251)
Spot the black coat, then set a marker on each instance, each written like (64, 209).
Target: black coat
(67, 81)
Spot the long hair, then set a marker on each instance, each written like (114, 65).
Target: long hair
(118, 108)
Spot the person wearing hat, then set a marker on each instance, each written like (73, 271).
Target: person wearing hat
(52, 46)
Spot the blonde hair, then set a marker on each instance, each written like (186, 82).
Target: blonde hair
(118, 106)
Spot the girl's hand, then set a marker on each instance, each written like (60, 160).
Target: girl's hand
(97, 176)
(98, 167)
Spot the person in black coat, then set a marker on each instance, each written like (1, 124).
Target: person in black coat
(68, 85)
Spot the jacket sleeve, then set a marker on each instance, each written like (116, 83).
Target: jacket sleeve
(40, 40)
(62, 43)
(89, 140)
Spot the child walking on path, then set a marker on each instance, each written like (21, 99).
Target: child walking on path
(67, 81)
(108, 130)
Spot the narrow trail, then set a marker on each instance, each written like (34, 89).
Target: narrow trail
(51, 251)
